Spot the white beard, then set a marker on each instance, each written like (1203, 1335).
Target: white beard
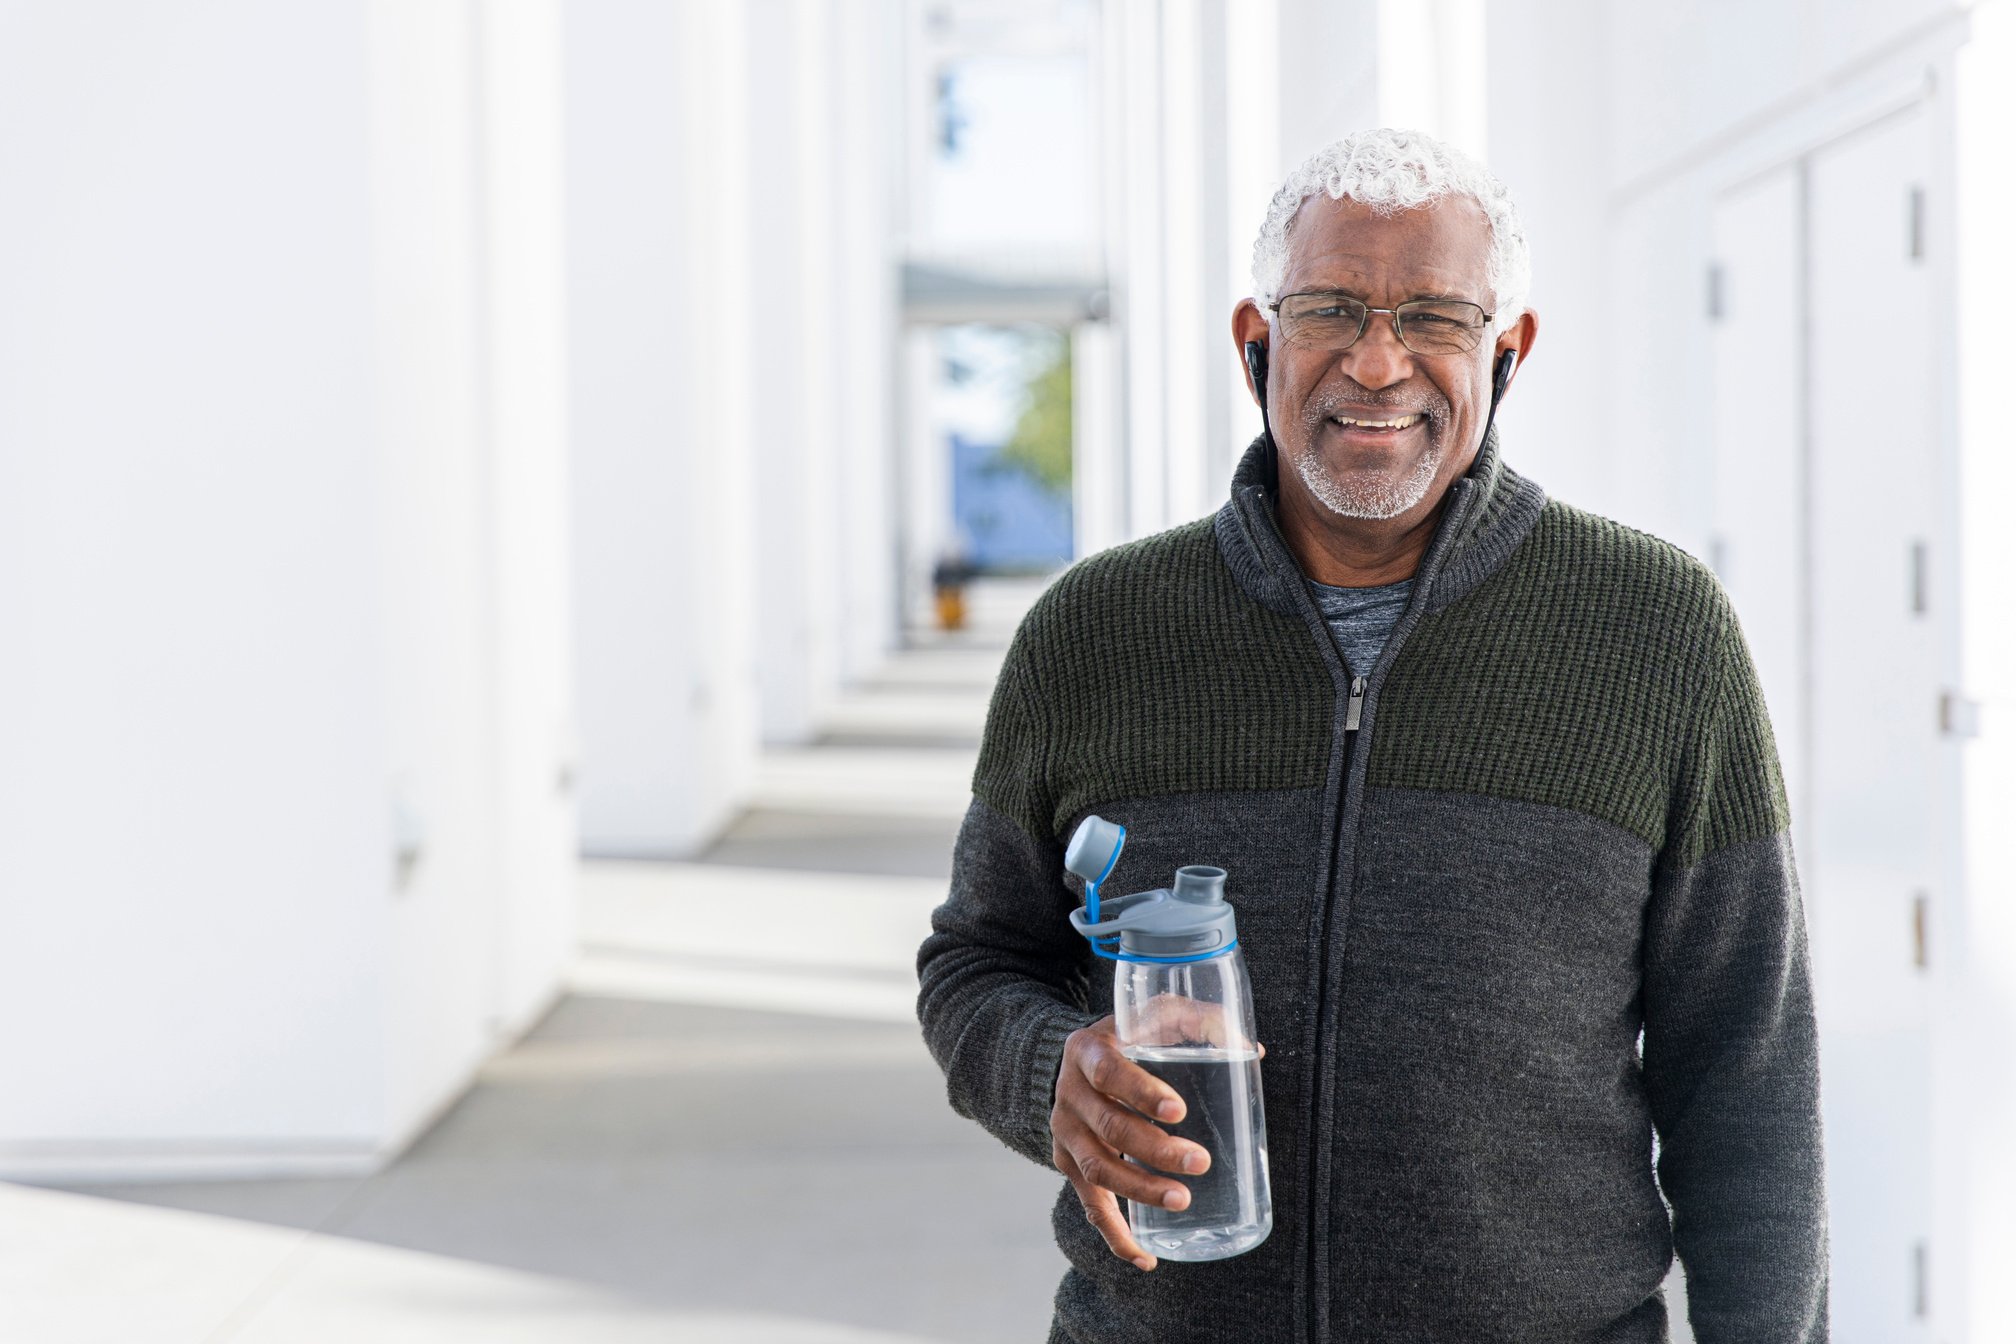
(1368, 496)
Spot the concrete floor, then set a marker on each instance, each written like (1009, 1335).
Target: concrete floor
(711, 1161)
(712, 1136)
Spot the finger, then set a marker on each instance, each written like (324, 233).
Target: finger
(1129, 1135)
(1112, 1074)
(1102, 1210)
(1177, 1019)
(1101, 1164)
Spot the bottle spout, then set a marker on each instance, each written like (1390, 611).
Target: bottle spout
(1200, 884)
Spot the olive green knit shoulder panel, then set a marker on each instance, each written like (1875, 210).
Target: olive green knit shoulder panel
(1009, 776)
(1733, 786)
(1149, 672)
(1600, 669)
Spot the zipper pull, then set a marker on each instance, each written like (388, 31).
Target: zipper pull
(1357, 699)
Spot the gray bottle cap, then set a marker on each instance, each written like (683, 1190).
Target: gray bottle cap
(1191, 920)
(1094, 846)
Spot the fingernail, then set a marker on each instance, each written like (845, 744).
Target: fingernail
(1194, 1163)
(1169, 1110)
(1176, 1199)
(1143, 1262)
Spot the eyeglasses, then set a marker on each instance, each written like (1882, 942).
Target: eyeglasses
(1334, 322)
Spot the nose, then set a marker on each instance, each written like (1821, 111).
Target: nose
(1377, 359)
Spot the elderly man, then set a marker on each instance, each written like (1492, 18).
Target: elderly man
(1506, 831)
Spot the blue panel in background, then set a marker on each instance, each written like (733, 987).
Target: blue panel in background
(1011, 520)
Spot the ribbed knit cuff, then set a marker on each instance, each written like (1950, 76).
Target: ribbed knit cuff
(1046, 1056)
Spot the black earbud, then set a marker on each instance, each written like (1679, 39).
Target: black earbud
(1500, 376)
(1256, 366)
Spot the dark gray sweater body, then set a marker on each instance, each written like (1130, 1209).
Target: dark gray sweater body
(1559, 821)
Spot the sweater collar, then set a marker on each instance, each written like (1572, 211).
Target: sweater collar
(1489, 511)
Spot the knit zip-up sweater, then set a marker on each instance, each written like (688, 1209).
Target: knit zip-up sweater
(1550, 816)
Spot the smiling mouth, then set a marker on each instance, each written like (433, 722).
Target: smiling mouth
(1396, 425)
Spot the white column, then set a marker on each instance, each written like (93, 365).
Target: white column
(1098, 497)
(793, 435)
(1253, 169)
(1189, 138)
(868, 148)
(260, 590)
(927, 468)
(1132, 50)
(467, 399)
(660, 403)
(524, 382)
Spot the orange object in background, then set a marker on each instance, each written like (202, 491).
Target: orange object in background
(951, 608)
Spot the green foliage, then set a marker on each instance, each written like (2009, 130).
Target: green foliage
(1041, 443)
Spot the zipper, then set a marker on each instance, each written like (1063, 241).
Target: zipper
(1320, 1083)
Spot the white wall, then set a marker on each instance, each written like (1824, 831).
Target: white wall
(1549, 143)
(1978, 933)
(252, 546)
(1677, 108)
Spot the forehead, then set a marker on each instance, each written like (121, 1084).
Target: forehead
(1442, 248)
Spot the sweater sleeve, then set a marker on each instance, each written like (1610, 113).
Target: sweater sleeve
(1731, 1055)
(1002, 978)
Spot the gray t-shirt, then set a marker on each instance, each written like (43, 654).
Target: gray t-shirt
(1360, 619)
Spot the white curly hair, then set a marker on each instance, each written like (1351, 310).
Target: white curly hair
(1390, 171)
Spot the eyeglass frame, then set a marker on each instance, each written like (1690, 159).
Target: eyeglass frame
(1393, 315)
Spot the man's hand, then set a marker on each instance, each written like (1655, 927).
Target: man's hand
(1097, 1122)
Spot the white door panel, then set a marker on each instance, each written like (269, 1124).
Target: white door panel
(1824, 425)
(1875, 741)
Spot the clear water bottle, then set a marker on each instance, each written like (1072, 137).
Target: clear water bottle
(1183, 1010)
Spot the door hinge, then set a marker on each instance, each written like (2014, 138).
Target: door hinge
(1916, 225)
(1959, 716)
(1921, 1296)
(1921, 914)
(1715, 286)
(1920, 602)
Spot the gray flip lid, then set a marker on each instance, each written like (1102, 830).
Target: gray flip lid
(1094, 846)
(1190, 919)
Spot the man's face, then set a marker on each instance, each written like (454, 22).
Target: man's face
(1437, 251)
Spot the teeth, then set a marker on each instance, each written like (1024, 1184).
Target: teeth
(1402, 423)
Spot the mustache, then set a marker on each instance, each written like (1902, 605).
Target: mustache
(1334, 401)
